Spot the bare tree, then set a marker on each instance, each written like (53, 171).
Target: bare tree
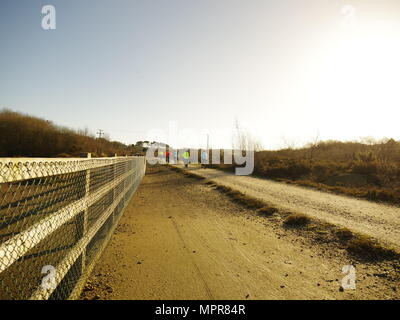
(243, 140)
(313, 146)
(240, 138)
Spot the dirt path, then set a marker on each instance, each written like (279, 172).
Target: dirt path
(181, 239)
(380, 221)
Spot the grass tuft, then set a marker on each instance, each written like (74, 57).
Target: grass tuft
(187, 173)
(344, 234)
(297, 220)
(267, 211)
(240, 198)
(366, 248)
(245, 200)
(193, 175)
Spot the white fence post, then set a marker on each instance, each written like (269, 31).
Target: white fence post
(115, 187)
(85, 215)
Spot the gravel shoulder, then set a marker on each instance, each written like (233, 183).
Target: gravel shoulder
(181, 239)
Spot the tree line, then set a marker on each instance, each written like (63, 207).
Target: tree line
(23, 135)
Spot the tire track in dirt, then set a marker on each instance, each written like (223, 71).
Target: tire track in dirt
(206, 287)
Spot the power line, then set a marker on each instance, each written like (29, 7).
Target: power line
(100, 132)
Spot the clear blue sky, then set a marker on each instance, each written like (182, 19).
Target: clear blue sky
(287, 69)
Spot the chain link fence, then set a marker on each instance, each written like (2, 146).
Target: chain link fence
(56, 216)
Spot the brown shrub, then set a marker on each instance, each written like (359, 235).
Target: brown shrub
(382, 195)
(366, 168)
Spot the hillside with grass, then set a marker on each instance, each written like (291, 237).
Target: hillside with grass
(23, 135)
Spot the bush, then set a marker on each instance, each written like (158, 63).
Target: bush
(382, 195)
(285, 168)
(365, 168)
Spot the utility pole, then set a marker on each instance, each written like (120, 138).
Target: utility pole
(100, 132)
(208, 140)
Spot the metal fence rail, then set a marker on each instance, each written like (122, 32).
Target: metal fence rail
(56, 216)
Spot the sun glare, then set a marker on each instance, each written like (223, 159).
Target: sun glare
(358, 81)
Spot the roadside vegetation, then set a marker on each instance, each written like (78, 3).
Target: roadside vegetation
(367, 169)
(23, 135)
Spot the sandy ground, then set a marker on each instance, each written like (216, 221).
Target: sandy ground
(181, 239)
(380, 221)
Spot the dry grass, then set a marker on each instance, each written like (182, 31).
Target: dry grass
(193, 175)
(236, 196)
(186, 173)
(267, 211)
(326, 164)
(240, 198)
(368, 249)
(344, 234)
(297, 220)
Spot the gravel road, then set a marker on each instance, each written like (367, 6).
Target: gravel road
(380, 221)
(181, 239)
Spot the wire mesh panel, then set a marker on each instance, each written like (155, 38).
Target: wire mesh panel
(56, 216)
